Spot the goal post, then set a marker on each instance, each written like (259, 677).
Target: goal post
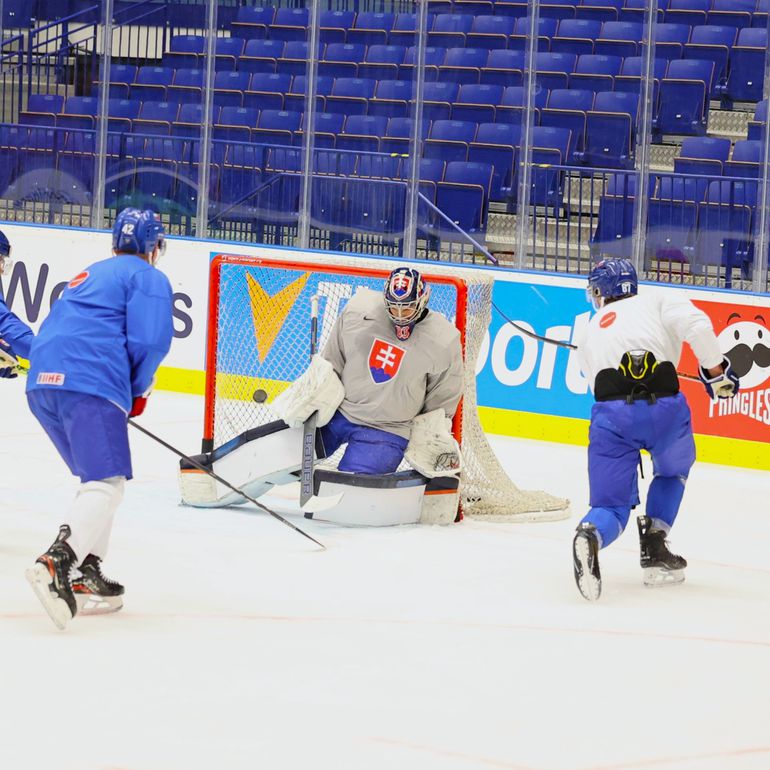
(258, 343)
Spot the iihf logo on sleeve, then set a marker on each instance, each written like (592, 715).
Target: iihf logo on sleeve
(384, 360)
(746, 343)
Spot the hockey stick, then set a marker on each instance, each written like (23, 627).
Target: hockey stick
(218, 478)
(568, 345)
(309, 427)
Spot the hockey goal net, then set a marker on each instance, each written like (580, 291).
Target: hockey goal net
(259, 343)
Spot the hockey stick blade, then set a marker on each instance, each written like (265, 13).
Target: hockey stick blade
(222, 481)
(317, 504)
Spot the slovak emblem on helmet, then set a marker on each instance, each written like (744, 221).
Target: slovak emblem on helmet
(401, 284)
(384, 360)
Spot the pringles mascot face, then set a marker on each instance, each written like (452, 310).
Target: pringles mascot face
(747, 345)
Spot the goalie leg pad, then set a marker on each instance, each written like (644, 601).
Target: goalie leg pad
(441, 501)
(255, 461)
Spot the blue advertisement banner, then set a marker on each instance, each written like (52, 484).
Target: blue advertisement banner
(520, 373)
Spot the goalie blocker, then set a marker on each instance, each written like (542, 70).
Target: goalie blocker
(269, 456)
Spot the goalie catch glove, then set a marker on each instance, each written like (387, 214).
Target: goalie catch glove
(432, 449)
(724, 385)
(318, 390)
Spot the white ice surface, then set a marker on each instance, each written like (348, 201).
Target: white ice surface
(242, 646)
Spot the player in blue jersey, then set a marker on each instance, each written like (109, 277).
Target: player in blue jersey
(15, 336)
(92, 366)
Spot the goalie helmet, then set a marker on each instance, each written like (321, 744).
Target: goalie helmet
(406, 296)
(611, 279)
(138, 231)
(5, 253)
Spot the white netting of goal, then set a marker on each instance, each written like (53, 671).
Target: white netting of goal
(259, 342)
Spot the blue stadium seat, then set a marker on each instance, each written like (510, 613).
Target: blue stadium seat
(187, 86)
(449, 139)
(463, 196)
(241, 173)
(378, 166)
(334, 25)
(477, 103)
(671, 221)
(615, 222)
(150, 83)
(490, 32)
(431, 173)
(266, 91)
(155, 118)
(227, 51)
(235, 124)
(619, 38)
(684, 97)
(554, 69)
(42, 110)
(595, 72)
(438, 98)
(629, 78)
(121, 76)
(757, 124)
(122, 113)
(382, 62)
(703, 155)
(463, 65)
(251, 22)
(294, 59)
(371, 28)
(350, 96)
(362, 132)
(546, 29)
(496, 144)
(503, 67)
(403, 30)
(567, 108)
(576, 36)
(434, 58)
(397, 138)
(557, 9)
(690, 12)
(551, 147)
(190, 118)
(294, 99)
(229, 87)
(511, 107)
(610, 130)
(724, 231)
(341, 60)
(732, 13)
(713, 43)
(599, 10)
(327, 126)
(276, 127)
(747, 62)
(745, 160)
(670, 40)
(450, 29)
(184, 51)
(76, 161)
(261, 55)
(289, 24)
(78, 112)
(391, 98)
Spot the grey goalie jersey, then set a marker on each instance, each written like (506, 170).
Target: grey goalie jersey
(388, 381)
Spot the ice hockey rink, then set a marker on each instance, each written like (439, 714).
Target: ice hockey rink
(243, 646)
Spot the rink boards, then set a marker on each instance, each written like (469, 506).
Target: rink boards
(525, 387)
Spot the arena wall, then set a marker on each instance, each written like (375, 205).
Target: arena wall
(525, 387)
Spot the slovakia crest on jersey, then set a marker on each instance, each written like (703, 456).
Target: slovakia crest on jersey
(384, 360)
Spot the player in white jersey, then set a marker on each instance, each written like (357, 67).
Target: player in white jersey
(628, 353)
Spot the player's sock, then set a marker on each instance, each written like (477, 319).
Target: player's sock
(95, 594)
(659, 565)
(585, 557)
(50, 580)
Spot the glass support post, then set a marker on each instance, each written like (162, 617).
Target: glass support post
(204, 156)
(762, 236)
(102, 120)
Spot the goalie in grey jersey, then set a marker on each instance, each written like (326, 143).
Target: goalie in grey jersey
(387, 384)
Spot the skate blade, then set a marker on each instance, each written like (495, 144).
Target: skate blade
(655, 577)
(91, 604)
(57, 609)
(588, 585)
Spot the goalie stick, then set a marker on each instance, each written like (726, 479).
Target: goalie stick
(222, 481)
(309, 426)
(565, 344)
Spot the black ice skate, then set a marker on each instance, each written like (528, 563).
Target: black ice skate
(659, 565)
(94, 593)
(585, 556)
(50, 580)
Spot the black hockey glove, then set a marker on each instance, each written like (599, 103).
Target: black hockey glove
(724, 385)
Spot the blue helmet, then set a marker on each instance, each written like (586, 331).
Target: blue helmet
(611, 279)
(406, 295)
(138, 231)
